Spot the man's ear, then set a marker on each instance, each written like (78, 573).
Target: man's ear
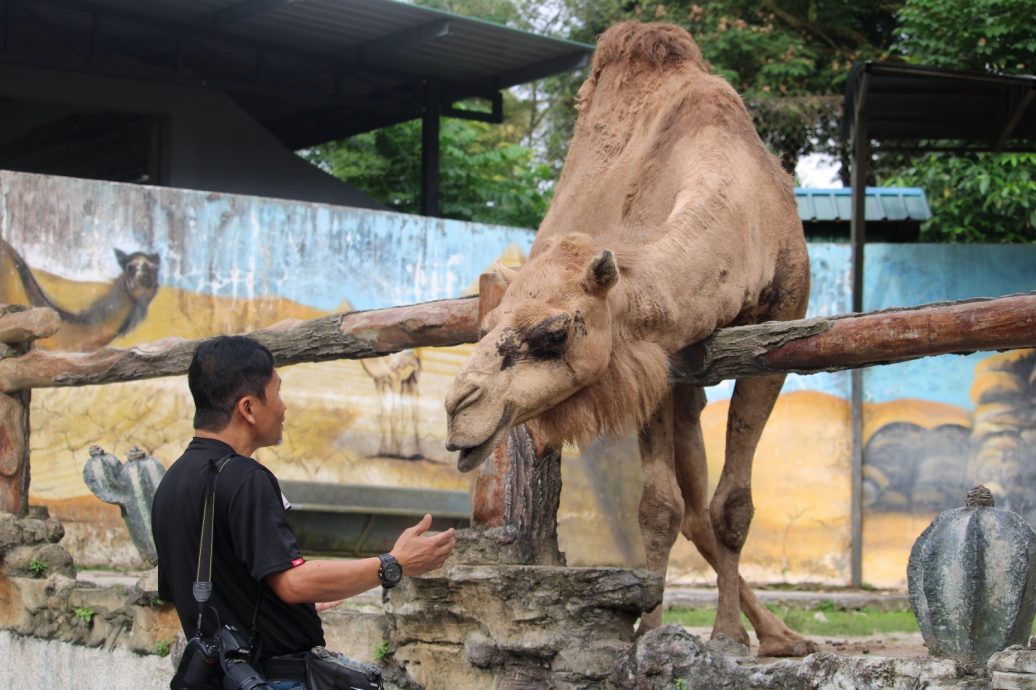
(244, 408)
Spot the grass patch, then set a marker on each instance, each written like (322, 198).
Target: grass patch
(825, 619)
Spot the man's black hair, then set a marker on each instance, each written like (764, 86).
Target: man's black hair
(222, 371)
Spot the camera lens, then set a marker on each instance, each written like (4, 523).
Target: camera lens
(239, 675)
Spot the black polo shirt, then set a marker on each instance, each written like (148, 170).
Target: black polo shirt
(251, 539)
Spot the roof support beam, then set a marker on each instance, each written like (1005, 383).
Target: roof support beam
(1015, 116)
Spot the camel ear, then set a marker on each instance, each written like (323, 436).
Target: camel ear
(505, 274)
(121, 257)
(602, 274)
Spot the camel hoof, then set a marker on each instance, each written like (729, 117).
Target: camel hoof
(789, 645)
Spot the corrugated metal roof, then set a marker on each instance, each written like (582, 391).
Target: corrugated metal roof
(309, 70)
(880, 204)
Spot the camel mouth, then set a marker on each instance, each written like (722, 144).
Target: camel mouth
(470, 458)
(473, 456)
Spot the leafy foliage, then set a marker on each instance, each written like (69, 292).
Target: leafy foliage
(976, 198)
(382, 650)
(162, 647)
(85, 614)
(995, 35)
(37, 568)
(483, 177)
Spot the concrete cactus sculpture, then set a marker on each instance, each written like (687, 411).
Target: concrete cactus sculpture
(131, 486)
(972, 580)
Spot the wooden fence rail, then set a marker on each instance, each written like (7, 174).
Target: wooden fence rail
(807, 346)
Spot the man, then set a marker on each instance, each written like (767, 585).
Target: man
(238, 409)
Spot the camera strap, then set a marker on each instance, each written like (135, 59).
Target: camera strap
(202, 588)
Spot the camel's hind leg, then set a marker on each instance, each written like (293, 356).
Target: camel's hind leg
(692, 474)
(730, 513)
(661, 503)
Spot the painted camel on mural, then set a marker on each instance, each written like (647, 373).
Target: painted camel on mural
(112, 314)
(395, 379)
(670, 220)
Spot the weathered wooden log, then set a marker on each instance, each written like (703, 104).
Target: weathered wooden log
(354, 335)
(852, 341)
(808, 346)
(19, 327)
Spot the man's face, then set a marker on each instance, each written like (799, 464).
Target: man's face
(269, 413)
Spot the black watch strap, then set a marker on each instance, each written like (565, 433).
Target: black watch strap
(390, 572)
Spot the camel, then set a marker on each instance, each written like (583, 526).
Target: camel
(395, 380)
(109, 316)
(670, 220)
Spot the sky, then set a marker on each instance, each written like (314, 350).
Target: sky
(818, 170)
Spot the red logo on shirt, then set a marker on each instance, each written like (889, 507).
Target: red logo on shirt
(297, 562)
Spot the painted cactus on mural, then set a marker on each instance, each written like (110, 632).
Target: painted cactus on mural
(972, 580)
(131, 486)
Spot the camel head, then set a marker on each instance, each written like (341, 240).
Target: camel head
(139, 275)
(549, 339)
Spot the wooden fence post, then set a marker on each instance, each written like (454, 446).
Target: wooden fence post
(518, 488)
(18, 328)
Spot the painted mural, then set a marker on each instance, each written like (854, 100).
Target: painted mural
(127, 265)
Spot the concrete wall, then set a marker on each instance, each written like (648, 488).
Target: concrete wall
(30, 663)
(208, 143)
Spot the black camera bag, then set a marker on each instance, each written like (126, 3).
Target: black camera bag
(327, 670)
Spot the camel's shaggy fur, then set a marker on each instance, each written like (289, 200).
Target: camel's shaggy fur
(670, 220)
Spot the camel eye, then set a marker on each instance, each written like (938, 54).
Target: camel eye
(549, 336)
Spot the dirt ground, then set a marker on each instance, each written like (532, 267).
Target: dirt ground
(903, 645)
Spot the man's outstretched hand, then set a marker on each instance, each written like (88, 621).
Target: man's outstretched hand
(418, 553)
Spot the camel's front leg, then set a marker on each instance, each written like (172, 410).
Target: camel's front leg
(661, 504)
(731, 512)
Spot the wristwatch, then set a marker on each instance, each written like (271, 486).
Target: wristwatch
(390, 571)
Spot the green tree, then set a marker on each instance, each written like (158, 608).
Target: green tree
(994, 35)
(483, 177)
(975, 197)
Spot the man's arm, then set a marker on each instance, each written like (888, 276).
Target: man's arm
(319, 581)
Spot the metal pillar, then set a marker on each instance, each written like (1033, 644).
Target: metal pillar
(858, 237)
(430, 147)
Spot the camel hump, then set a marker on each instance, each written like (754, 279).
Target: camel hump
(659, 45)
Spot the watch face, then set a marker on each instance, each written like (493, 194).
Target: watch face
(393, 572)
